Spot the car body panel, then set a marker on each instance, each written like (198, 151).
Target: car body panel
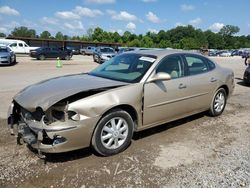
(51, 52)
(46, 93)
(7, 56)
(102, 54)
(246, 76)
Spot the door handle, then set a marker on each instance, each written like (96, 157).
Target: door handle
(182, 86)
(213, 80)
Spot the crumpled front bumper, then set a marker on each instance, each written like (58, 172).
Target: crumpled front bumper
(55, 138)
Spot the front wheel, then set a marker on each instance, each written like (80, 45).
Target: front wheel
(41, 57)
(67, 57)
(113, 133)
(219, 102)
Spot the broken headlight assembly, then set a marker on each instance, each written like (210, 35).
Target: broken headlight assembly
(60, 112)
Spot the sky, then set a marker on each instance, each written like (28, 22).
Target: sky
(75, 17)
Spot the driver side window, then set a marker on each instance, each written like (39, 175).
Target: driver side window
(171, 65)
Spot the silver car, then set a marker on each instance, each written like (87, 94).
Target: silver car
(129, 93)
(102, 54)
(7, 56)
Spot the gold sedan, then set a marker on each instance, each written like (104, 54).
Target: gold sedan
(130, 92)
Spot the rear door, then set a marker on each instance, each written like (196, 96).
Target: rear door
(202, 81)
(54, 53)
(20, 47)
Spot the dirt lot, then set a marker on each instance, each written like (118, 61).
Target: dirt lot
(198, 151)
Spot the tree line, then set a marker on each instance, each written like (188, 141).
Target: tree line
(181, 37)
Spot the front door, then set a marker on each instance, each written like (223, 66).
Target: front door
(166, 100)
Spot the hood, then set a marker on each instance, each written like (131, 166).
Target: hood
(46, 93)
(33, 48)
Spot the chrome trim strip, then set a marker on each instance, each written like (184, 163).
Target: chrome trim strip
(177, 100)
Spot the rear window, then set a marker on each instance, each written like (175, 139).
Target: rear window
(196, 65)
(211, 65)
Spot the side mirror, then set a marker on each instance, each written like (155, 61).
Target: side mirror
(159, 76)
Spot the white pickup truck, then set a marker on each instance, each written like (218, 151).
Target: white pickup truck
(17, 46)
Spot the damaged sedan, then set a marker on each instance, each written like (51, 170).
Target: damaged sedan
(130, 92)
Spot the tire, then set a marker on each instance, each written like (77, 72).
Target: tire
(67, 57)
(94, 58)
(113, 133)
(218, 103)
(41, 57)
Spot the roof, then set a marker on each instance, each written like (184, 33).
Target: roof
(161, 52)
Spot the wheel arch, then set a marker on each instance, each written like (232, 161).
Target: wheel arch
(225, 87)
(127, 108)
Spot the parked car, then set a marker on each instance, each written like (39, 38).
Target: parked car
(7, 56)
(103, 54)
(51, 52)
(88, 51)
(246, 76)
(245, 53)
(224, 53)
(17, 46)
(75, 49)
(125, 49)
(129, 93)
(212, 53)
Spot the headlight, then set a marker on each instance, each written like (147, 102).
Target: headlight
(75, 116)
(104, 57)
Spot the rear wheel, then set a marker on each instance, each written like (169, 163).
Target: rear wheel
(41, 57)
(67, 57)
(113, 133)
(219, 102)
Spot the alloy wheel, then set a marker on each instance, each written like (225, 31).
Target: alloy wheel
(114, 133)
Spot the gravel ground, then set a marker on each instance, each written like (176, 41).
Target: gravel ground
(198, 151)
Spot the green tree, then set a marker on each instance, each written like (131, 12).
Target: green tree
(229, 30)
(134, 43)
(227, 33)
(59, 36)
(125, 37)
(189, 43)
(116, 37)
(215, 40)
(89, 35)
(66, 37)
(98, 34)
(23, 32)
(147, 42)
(2, 35)
(45, 35)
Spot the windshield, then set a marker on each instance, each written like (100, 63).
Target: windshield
(125, 67)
